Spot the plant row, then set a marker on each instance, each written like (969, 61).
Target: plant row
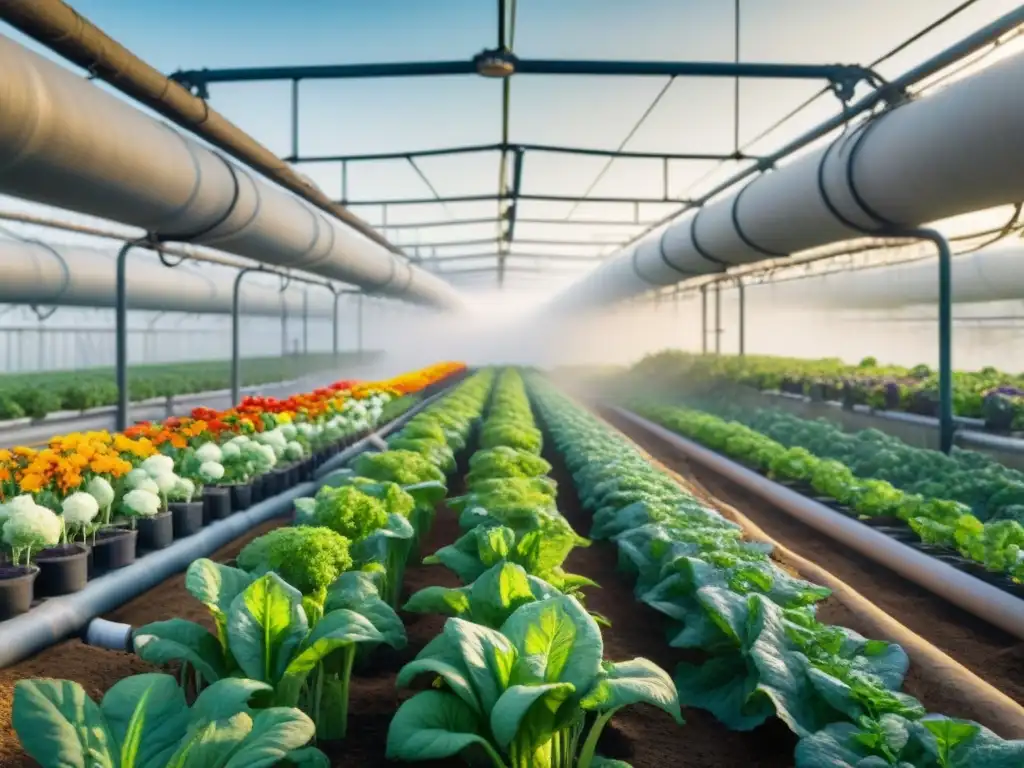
(766, 655)
(988, 394)
(37, 394)
(963, 506)
(89, 502)
(304, 610)
(520, 678)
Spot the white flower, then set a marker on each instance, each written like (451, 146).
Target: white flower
(239, 440)
(36, 527)
(102, 491)
(184, 489)
(148, 485)
(228, 452)
(79, 509)
(165, 483)
(211, 471)
(209, 452)
(293, 451)
(26, 502)
(136, 477)
(289, 431)
(158, 465)
(269, 457)
(142, 503)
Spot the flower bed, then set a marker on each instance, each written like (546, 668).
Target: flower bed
(89, 502)
(37, 394)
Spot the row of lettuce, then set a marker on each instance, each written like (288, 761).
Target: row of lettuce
(963, 503)
(305, 606)
(88, 502)
(518, 670)
(37, 394)
(765, 652)
(988, 394)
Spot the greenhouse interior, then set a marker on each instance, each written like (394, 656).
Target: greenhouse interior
(515, 384)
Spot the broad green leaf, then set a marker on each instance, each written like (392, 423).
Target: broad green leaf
(427, 494)
(307, 757)
(607, 762)
(633, 682)
(216, 586)
(266, 624)
(337, 628)
(487, 656)
(59, 725)
(180, 640)
(305, 509)
(147, 716)
(494, 544)
(227, 698)
(498, 592)
(727, 689)
(558, 642)
(352, 588)
(447, 601)
(433, 725)
(275, 733)
(212, 743)
(453, 673)
(530, 708)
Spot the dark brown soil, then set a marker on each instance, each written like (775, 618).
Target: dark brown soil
(994, 655)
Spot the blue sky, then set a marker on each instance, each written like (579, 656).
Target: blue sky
(405, 114)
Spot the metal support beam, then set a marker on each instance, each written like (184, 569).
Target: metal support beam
(489, 197)
(492, 254)
(236, 334)
(742, 298)
(295, 120)
(840, 74)
(434, 223)
(305, 321)
(517, 185)
(359, 324)
(510, 147)
(718, 318)
(121, 334)
(704, 319)
(334, 323)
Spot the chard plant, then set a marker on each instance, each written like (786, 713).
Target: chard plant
(534, 692)
(144, 722)
(265, 634)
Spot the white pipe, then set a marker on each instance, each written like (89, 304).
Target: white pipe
(995, 606)
(33, 273)
(66, 142)
(992, 274)
(954, 152)
(111, 635)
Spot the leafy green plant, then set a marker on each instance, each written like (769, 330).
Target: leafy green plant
(308, 558)
(264, 634)
(144, 722)
(520, 695)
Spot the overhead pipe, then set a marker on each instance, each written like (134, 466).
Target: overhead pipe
(72, 276)
(59, 618)
(954, 152)
(983, 600)
(65, 142)
(58, 26)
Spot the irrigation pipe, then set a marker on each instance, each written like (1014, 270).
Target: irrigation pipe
(59, 618)
(992, 707)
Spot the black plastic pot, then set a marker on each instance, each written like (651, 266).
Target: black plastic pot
(113, 548)
(16, 589)
(62, 570)
(282, 479)
(241, 496)
(256, 484)
(156, 532)
(187, 518)
(216, 503)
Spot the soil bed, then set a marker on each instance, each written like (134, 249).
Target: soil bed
(992, 654)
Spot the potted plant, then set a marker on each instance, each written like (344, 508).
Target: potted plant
(114, 539)
(26, 526)
(237, 477)
(64, 568)
(186, 514)
(157, 531)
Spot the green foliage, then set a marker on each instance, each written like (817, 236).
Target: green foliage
(308, 558)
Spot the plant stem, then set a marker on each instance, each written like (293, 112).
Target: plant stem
(590, 745)
(318, 692)
(348, 658)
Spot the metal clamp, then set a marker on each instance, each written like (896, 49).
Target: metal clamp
(697, 246)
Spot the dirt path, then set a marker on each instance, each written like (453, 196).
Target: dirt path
(994, 655)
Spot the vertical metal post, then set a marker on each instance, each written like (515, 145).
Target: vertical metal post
(344, 181)
(359, 324)
(664, 178)
(295, 120)
(121, 334)
(334, 322)
(718, 318)
(305, 321)
(236, 335)
(946, 424)
(704, 319)
(742, 296)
